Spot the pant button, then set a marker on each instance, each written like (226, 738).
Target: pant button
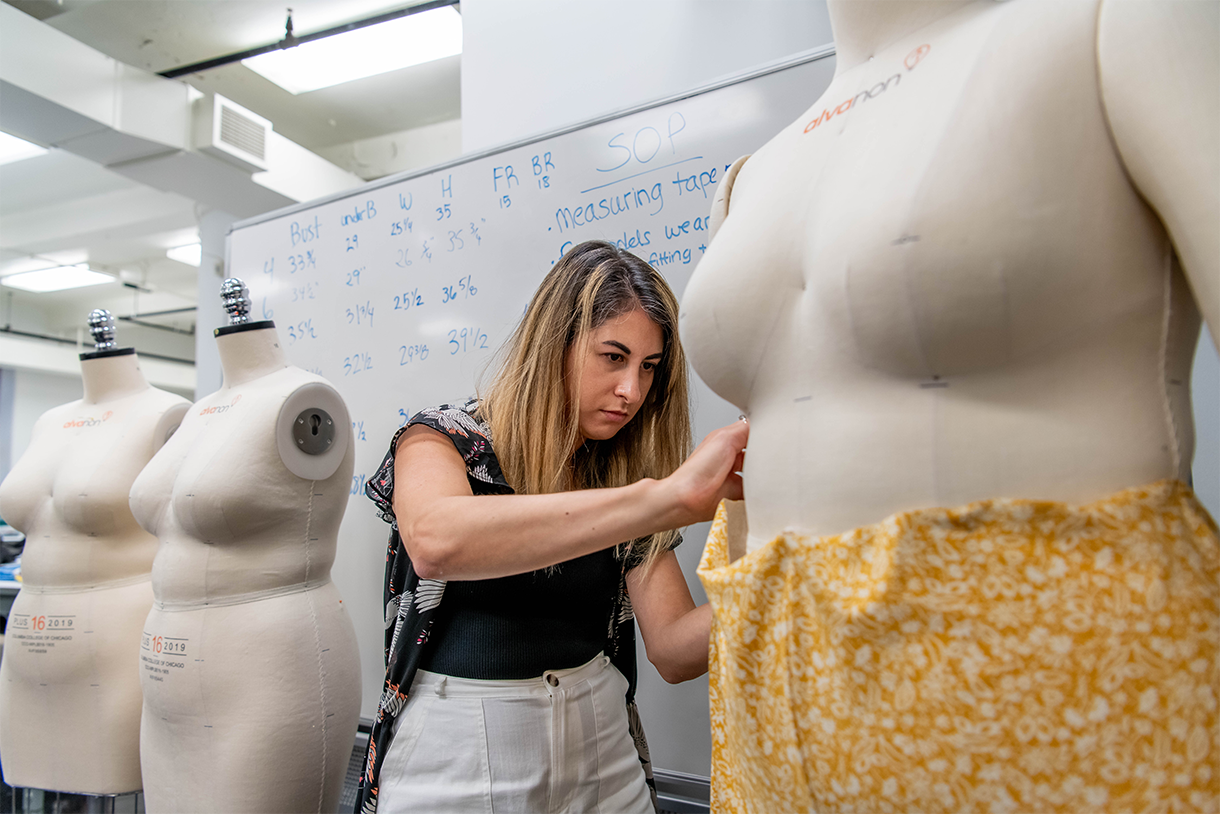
(552, 680)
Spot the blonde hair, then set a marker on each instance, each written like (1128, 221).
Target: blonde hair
(529, 407)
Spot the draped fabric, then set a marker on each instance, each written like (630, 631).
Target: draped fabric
(1011, 655)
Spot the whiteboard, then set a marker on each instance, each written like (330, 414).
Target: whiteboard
(399, 293)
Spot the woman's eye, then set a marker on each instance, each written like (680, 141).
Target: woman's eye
(614, 357)
(650, 366)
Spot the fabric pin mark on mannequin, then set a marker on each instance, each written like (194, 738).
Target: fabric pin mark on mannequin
(69, 688)
(959, 299)
(249, 664)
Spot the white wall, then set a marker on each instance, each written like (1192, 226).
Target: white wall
(1205, 392)
(209, 312)
(34, 395)
(531, 66)
(413, 149)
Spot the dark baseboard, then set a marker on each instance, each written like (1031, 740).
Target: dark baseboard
(682, 793)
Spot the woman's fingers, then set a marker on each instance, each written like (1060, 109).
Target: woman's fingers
(710, 473)
(733, 488)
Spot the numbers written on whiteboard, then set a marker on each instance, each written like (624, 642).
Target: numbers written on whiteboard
(304, 292)
(455, 241)
(358, 431)
(405, 415)
(300, 262)
(443, 211)
(466, 339)
(400, 227)
(360, 314)
(301, 330)
(407, 299)
(402, 261)
(411, 353)
(353, 276)
(353, 243)
(357, 363)
(358, 482)
(464, 289)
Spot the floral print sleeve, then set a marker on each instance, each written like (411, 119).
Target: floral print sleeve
(411, 602)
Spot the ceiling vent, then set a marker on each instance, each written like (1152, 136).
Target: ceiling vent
(230, 132)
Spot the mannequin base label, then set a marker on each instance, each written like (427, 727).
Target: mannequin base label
(161, 656)
(41, 633)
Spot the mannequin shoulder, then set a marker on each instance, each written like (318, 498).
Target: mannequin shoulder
(58, 415)
(1159, 68)
(1159, 65)
(168, 423)
(724, 191)
(313, 430)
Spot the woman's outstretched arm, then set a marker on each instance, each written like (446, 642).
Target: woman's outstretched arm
(450, 534)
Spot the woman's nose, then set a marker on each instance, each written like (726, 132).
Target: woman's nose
(628, 387)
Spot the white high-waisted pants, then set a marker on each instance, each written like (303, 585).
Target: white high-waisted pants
(556, 743)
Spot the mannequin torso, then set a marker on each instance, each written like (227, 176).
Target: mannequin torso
(248, 650)
(69, 690)
(967, 298)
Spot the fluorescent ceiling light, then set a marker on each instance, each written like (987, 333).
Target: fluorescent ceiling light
(56, 279)
(16, 149)
(374, 49)
(191, 254)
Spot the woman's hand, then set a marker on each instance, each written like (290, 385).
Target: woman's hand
(709, 475)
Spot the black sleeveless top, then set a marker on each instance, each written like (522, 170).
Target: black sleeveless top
(523, 625)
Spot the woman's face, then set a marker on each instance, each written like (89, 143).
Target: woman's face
(620, 360)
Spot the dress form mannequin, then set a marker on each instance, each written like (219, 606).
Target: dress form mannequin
(249, 662)
(965, 300)
(971, 277)
(69, 686)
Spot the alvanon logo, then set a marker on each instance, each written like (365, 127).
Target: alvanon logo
(220, 408)
(912, 59)
(87, 421)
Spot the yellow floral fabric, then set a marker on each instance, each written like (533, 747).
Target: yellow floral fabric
(1011, 655)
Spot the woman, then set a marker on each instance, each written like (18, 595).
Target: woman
(510, 588)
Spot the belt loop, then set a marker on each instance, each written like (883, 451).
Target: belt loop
(440, 687)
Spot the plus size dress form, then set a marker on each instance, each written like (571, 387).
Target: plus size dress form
(249, 662)
(958, 300)
(69, 686)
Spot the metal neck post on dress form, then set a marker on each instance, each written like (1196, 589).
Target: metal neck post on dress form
(101, 327)
(236, 298)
